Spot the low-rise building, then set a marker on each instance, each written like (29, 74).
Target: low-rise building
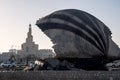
(29, 51)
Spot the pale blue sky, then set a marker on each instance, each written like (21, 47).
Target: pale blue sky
(15, 16)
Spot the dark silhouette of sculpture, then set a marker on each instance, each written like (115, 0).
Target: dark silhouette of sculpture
(79, 38)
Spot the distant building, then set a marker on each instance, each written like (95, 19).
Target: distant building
(6, 56)
(29, 50)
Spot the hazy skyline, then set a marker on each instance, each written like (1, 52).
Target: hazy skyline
(16, 15)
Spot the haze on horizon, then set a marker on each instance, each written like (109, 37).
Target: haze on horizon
(16, 15)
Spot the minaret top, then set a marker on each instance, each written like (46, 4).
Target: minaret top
(29, 37)
(30, 30)
(29, 25)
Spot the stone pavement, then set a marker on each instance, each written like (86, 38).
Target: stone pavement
(61, 75)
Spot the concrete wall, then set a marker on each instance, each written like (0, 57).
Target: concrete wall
(61, 75)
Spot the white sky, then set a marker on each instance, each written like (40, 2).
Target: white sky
(15, 16)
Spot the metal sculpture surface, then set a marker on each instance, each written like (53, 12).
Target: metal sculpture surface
(77, 34)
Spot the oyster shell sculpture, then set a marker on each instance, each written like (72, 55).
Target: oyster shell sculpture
(77, 34)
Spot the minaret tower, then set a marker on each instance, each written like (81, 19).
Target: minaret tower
(29, 38)
(29, 46)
